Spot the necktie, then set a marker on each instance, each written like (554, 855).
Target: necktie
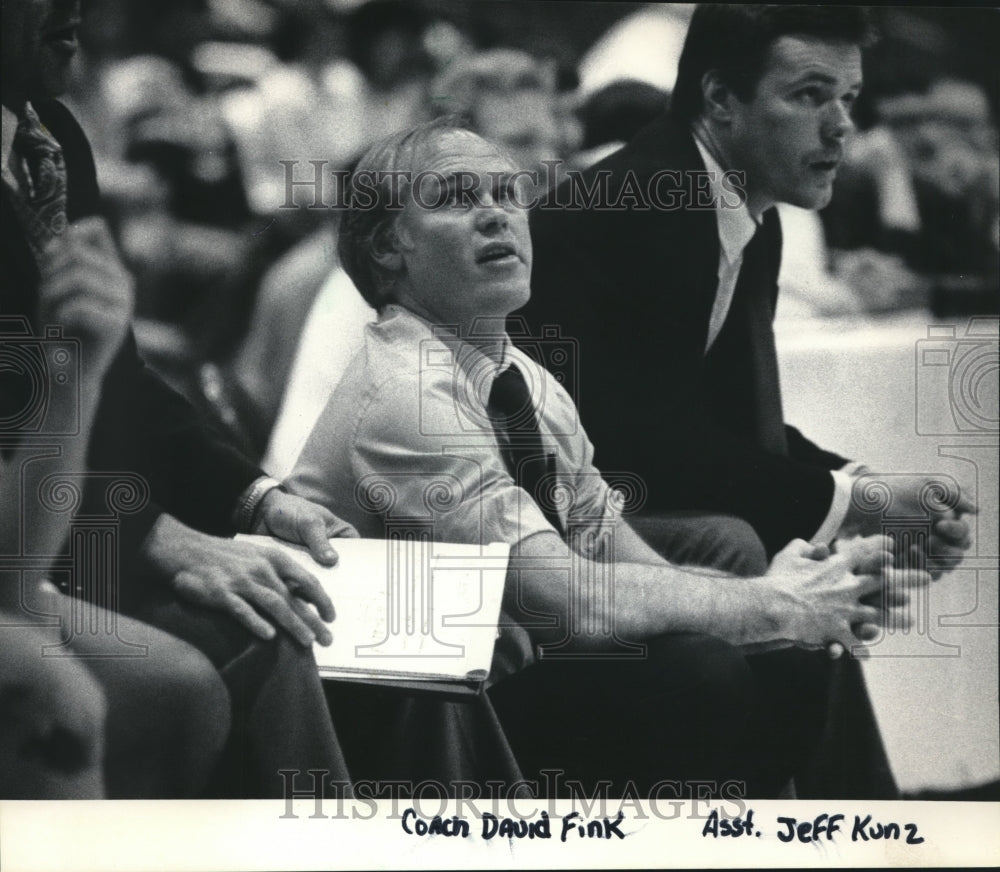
(514, 421)
(43, 197)
(763, 362)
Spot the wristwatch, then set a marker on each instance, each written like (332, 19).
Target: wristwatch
(250, 500)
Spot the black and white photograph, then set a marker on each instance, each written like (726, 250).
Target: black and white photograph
(498, 434)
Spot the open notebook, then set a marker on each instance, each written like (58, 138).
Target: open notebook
(412, 613)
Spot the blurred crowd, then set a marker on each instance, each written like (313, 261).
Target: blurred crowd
(201, 112)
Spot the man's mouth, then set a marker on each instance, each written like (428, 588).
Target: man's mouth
(496, 252)
(825, 166)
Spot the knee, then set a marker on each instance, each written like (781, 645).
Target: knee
(185, 690)
(717, 666)
(716, 677)
(204, 699)
(738, 549)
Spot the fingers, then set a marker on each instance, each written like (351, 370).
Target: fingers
(868, 631)
(895, 587)
(865, 627)
(965, 506)
(277, 605)
(302, 583)
(246, 615)
(94, 231)
(340, 529)
(258, 599)
(873, 563)
(295, 519)
(907, 577)
(820, 551)
(866, 584)
(865, 554)
(212, 594)
(308, 616)
(798, 548)
(84, 285)
(790, 556)
(952, 532)
(88, 236)
(315, 537)
(944, 559)
(893, 596)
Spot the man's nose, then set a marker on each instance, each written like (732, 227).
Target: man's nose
(837, 122)
(490, 214)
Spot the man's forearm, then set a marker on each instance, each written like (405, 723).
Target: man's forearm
(807, 596)
(643, 599)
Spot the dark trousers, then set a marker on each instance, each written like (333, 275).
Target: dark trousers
(280, 718)
(695, 709)
(446, 743)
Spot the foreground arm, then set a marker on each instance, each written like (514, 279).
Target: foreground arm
(801, 600)
(84, 290)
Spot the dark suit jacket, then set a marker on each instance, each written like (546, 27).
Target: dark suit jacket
(634, 287)
(142, 425)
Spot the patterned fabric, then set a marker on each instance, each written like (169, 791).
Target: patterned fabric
(43, 200)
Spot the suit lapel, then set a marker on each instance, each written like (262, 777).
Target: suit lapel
(743, 363)
(665, 144)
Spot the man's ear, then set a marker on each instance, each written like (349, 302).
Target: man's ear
(717, 98)
(386, 249)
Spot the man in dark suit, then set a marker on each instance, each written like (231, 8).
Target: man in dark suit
(661, 262)
(247, 609)
(668, 282)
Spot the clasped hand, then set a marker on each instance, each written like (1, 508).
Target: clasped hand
(912, 497)
(259, 587)
(836, 600)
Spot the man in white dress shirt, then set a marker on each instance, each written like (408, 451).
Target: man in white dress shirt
(439, 423)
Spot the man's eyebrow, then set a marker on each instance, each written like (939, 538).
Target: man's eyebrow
(823, 78)
(452, 177)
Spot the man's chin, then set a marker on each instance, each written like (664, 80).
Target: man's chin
(812, 200)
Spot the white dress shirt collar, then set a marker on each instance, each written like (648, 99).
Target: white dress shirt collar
(736, 225)
(481, 368)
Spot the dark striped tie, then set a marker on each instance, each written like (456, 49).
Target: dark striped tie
(43, 197)
(516, 424)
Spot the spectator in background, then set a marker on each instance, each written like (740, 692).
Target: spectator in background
(190, 243)
(392, 44)
(916, 205)
(509, 98)
(613, 114)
